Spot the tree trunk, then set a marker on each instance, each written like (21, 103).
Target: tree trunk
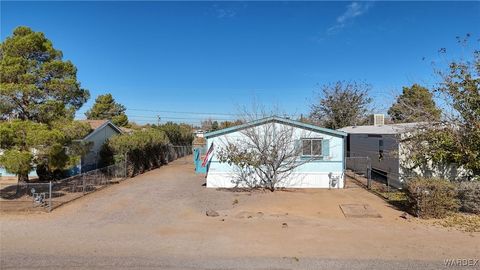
(22, 178)
(44, 173)
(271, 184)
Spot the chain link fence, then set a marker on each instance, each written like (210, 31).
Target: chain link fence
(360, 169)
(181, 151)
(387, 185)
(25, 197)
(34, 197)
(44, 197)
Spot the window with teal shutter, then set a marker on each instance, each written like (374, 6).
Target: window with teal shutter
(298, 144)
(325, 148)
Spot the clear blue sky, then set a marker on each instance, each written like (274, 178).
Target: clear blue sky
(216, 56)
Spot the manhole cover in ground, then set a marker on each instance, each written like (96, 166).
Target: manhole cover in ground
(359, 211)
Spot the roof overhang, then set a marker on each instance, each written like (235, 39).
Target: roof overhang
(279, 120)
(107, 123)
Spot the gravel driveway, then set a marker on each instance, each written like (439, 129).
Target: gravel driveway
(157, 220)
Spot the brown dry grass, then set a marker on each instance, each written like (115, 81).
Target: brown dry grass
(464, 222)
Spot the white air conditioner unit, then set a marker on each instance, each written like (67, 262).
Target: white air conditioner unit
(377, 119)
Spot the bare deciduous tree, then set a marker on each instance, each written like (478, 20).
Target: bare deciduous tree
(454, 140)
(341, 104)
(263, 156)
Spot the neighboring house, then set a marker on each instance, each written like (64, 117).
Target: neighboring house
(102, 130)
(325, 169)
(388, 155)
(199, 133)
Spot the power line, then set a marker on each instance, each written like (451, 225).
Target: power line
(185, 119)
(180, 112)
(156, 117)
(180, 118)
(206, 113)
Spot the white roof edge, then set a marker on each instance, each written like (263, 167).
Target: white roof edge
(381, 129)
(277, 119)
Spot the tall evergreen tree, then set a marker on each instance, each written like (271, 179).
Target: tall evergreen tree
(39, 94)
(105, 107)
(35, 83)
(415, 104)
(28, 144)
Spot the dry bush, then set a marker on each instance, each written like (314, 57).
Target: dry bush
(431, 197)
(469, 196)
(464, 222)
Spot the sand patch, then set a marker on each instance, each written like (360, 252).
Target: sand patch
(359, 211)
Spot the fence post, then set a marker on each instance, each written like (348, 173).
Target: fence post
(369, 173)
(50, 197)
(388, 184)
(84, 184)
(126, 164)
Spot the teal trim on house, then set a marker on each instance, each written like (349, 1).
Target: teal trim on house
(323, 169)
(277, 120)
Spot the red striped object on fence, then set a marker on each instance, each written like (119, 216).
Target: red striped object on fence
(207, 155)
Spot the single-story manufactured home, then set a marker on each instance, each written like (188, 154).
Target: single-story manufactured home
(321, 154)
(384, 146)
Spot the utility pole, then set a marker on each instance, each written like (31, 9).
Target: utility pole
(158, 119)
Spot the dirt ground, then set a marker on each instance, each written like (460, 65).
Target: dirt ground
(161, 215)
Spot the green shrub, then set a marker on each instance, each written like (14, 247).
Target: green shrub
(178, 134)
(431, 197)
(469, 196)
(145, 150)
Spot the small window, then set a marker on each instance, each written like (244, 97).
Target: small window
(312, 147)
(307, 147)
(316, 147)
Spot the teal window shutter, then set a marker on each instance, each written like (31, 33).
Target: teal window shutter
(298, 145)
(325, 148)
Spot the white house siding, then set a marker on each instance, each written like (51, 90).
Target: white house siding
(314, 174)
(97, 139)
(450, 171)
